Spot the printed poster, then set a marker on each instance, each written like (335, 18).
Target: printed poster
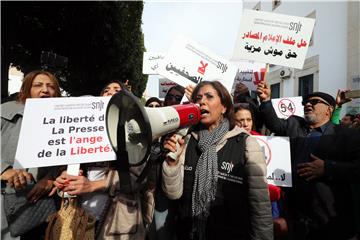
(164, 86)
(278, 160)
(188, 63)
(273, 38)
(151, 62)
(62, 131)
(286, 107)
(249, 73)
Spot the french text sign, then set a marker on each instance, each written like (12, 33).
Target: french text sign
(277, 157)
(273, 38)
(62, 131)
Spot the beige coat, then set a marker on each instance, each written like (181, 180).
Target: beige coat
(129, 214)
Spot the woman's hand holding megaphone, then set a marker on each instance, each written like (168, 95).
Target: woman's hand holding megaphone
(174, 144)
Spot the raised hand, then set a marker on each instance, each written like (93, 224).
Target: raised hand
(341, 98)
(263, 91)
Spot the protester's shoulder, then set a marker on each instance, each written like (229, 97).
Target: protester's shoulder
(296, 118)
(348, 132)
(235, 132)
(10, 109)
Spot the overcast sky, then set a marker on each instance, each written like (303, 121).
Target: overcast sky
(211, 24)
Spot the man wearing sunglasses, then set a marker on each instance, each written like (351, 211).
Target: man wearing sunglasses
(325, 162)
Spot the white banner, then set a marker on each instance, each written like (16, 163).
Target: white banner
(62, 131)
(151, 62)
(273, 38)
(286, 107)
(188, 63)
(164, 86)
(277, 157)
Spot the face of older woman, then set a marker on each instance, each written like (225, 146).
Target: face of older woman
(42, 87)
(210, 106)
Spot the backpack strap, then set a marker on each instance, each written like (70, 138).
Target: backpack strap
(242, 137)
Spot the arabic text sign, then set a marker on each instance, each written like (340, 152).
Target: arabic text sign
(273, 38)
(277, 157)
(62, 131)
(164, 86)
(249, 73)
(286, 107)
(151, 62)
(188, 63)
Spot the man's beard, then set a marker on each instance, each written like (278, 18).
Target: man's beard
(310, 119)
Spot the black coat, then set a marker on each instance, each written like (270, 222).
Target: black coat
(321, 208)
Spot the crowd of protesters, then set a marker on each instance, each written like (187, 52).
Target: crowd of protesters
(213, 185)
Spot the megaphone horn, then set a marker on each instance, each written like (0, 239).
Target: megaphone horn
(132, 127)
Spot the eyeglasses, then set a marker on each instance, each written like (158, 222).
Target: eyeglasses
(313, 102)
(154, 105)
(177, 98)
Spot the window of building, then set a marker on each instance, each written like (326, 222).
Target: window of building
(257, 7)
(306, 84)
(275, 4)
(275, 90)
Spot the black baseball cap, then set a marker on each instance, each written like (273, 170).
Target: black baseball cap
(326, 97)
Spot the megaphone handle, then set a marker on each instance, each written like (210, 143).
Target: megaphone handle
(72, 169)
(174, 155)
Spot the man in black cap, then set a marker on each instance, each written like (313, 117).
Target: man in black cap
(325, 161)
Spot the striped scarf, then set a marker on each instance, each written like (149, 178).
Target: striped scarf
(205, 184)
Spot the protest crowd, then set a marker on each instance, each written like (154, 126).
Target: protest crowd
(214, 184)
(213, 160)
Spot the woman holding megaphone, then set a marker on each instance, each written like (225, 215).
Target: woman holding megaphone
(218, 174)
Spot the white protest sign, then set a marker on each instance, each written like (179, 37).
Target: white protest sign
(164, 86)
(249, 73)
(151, 62)
(188, 63)
(286, 107)
(62, 131)
(277, 157)
(273, 38)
